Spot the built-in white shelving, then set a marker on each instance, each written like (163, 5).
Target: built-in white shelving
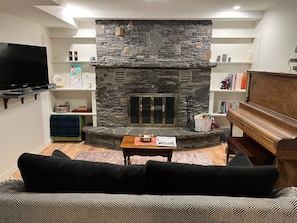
(237, 43)
(81, 40)
(76, 97)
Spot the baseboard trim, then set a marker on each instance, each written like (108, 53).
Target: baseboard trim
(8, 173)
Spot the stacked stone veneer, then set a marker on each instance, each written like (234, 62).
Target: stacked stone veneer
(152, 56)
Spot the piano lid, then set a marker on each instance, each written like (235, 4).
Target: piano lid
(275, 91)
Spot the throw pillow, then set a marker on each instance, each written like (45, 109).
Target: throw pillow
(59, 153)
(55, 174)
(240, 159)
(179, 178)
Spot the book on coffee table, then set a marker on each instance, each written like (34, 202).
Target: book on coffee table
(165, 141)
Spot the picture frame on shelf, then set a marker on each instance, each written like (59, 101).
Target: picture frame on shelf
(75, 75)
(224, 58)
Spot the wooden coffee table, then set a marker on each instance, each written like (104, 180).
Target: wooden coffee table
(129, 149)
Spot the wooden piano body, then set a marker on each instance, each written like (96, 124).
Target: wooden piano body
(269, 118)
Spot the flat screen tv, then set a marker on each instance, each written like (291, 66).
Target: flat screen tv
(22, 66)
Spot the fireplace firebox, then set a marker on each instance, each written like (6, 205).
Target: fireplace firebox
(152, 110)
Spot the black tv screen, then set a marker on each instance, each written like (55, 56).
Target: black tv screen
(22, 66)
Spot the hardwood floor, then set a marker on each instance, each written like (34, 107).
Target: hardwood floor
(216, 153)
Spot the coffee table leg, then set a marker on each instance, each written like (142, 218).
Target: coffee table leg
(169, 156)
(125, 157)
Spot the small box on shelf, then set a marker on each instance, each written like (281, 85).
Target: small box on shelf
(82, 109)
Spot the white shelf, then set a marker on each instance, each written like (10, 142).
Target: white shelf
(74, 113)
(74, 89)
(233, 63)
(233, 37)
(73, 37)
(228, 91)
(219, 115)
(72, 61)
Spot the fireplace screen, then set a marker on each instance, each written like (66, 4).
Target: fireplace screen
(152, 109)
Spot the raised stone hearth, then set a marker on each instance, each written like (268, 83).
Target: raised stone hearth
(111, 137)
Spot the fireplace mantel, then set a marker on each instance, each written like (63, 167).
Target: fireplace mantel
(172, 65)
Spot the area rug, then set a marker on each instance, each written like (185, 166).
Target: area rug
(117, 158)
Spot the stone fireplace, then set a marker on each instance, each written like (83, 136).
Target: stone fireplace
(152, 57)
(152, 77)
(113, 91)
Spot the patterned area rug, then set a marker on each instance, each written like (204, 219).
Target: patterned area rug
(117, 158)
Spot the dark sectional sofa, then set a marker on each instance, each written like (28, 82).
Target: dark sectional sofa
(58, 189)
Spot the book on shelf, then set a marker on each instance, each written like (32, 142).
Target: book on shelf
(229, 82)
(226, 105)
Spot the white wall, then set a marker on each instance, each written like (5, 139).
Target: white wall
(23, 127)
(278, 37)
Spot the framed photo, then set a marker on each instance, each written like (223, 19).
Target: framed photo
(75, 75)
(224, 58)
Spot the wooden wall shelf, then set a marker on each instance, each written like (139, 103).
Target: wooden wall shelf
(6, 97)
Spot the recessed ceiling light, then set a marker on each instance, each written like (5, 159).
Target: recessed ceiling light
(236, 7)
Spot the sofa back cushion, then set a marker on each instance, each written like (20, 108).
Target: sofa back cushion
(57, 174)
(240, 159)
(59, 153)
(179, 178)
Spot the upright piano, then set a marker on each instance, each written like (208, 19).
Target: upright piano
(268, 119)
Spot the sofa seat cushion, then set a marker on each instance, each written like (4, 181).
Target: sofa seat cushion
(55, 174)
(179, 178)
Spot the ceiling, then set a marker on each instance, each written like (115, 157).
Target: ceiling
(66, 13)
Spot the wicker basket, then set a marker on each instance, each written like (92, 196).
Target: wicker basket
(203, 125)
(146, 137)
(62, 108)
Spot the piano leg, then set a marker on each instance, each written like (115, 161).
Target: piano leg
(229, 152)
(287, 173)
(228, 149)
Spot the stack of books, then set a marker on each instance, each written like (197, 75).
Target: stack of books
(226, 105)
